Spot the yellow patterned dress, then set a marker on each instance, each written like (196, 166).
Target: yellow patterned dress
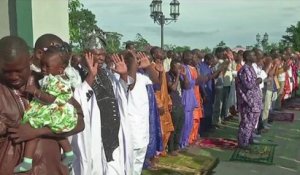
(60, 116)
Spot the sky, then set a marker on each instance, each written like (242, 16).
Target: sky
(201, 22)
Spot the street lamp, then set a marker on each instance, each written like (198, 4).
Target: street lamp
(157, 15)
(258, 39)
(262, 42)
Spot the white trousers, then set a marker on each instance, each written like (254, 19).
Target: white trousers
(138, 160)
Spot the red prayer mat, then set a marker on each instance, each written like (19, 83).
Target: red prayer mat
(221, 143)
(293, 104)
(282, 116)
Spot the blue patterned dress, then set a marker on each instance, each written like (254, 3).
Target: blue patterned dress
(249, 100)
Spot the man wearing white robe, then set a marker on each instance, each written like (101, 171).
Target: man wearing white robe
(138, 114)
(88, 145)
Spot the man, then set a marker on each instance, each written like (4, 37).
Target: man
(199, 55)
(167, 61)
(189, 100)
(219, 85)
(163, 99)
(138, 105)
(228, 80)
(15, 73)
(207, 90)
(260, 73)
(177, 80)
(109, 91)
(270, 69)
(129, 46)
(198, 111)
(249, 98)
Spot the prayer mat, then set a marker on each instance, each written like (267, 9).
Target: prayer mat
(258, 153)
(293, 104)
(217, 143)
(183, 164)
(282, 116)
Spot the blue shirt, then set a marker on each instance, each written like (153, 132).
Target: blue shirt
(205, 70)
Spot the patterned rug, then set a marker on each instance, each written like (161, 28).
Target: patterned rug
(217, 143)
(183, 164)
(282, 116)
(293, 104)
(258, 153)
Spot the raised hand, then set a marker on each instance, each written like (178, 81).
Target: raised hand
(120, 66)
(182, 70)
(91, 63)
(144, 61)
(224, 65)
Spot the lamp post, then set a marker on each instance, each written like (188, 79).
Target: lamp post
(157, 15)
(262, 42)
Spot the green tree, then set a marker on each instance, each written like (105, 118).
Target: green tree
(169, 46)
(221, 44)
(206, 50)
(180, 49)
(292, 36)
(277, 46)
(113, 42)
(140, 43)
(82, 26)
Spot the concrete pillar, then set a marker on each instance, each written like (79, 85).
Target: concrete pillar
(30, 19)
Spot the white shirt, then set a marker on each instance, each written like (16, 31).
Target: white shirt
(138, 111)
(260, 74)
(219, 81)
(228, 76)
(35, 68)
(167, 63)
(73, 75)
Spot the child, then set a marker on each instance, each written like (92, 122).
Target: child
(50, 105)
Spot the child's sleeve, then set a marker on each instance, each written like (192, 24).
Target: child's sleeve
(58, 87)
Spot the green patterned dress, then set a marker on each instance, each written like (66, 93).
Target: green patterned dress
(59, 116)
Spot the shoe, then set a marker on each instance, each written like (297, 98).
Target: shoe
(254, 135)
(268, 125)
(264, 130)
(173, 153)
(256, 141)
(223, 122)
(163, 154)
(244, 147)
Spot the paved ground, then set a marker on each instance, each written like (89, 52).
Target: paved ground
(286, 158)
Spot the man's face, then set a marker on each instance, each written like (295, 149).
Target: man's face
(211, 62)
(99, 56)
(252, 57)
(170, 55)
(220, 55)
(188, 58)
(176, 68)
(15, 74)
(75, 61)
(159, 54)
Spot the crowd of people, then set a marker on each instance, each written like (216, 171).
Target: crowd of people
(118, 113)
